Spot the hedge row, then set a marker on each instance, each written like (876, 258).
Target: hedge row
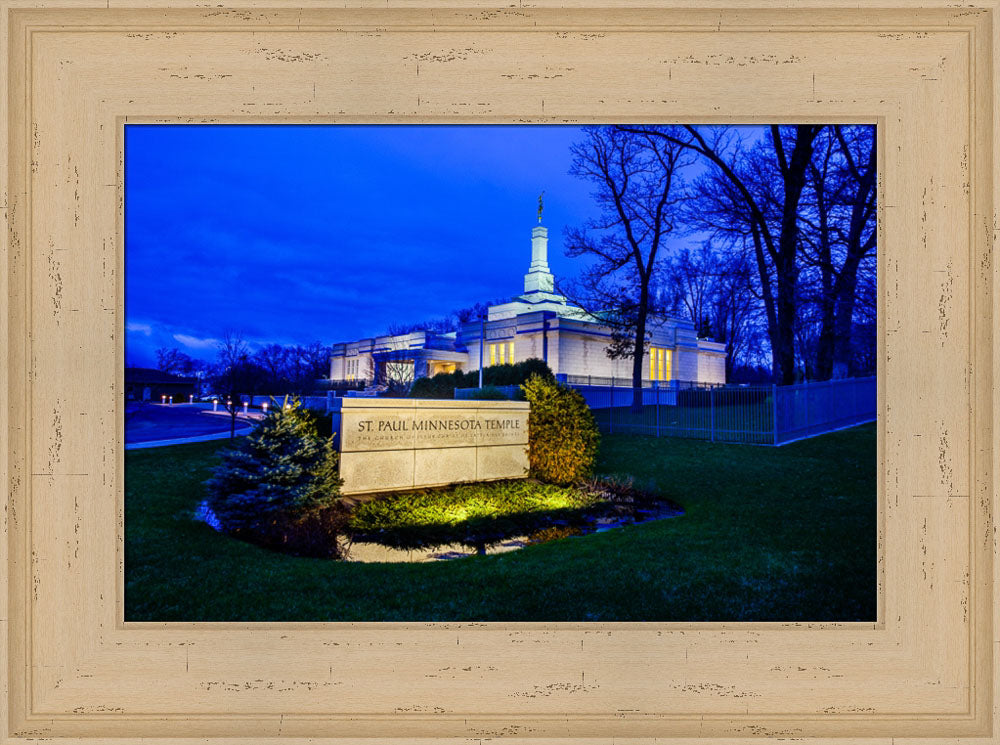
(443, 385)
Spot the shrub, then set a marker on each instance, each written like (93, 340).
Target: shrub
(443, 385)
(562, 433)
(282, 478)
(489, 393)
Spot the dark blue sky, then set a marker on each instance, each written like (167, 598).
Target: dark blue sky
(294, 234)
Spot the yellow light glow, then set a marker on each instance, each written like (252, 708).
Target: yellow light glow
(659, 363)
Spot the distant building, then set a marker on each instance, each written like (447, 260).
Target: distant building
(538, 323)
(147, 384)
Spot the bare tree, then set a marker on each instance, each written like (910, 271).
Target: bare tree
(715, 290)
(176, 362)
(638, 188)
(234, 375)
(767, 185)
(395, 375)
(273, 360)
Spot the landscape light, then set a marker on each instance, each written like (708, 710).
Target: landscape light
(170, 399)
(163, 399)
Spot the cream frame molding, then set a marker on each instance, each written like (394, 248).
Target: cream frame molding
(78, 70)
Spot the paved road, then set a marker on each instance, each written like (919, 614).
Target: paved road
(146, 424)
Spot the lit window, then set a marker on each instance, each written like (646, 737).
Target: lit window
(510, 352)
(659, 363)
(493, 354)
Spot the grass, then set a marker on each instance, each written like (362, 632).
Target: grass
(473, 514)
(769, 534)
(751, 422)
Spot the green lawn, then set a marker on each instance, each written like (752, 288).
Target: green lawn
(749, 422)
(769, 534)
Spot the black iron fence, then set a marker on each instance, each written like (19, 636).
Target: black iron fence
(755, 414)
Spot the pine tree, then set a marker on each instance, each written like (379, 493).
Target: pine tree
(284, 471)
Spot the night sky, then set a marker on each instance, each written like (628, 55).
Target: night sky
(294, 234)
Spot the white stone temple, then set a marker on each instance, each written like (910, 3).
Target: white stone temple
(538, 323)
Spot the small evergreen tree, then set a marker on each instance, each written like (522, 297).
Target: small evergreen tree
(283, 472)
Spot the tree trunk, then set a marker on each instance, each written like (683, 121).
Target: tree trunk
(794, 172)
(824, 345)
(640, 347)
(784, 353)
(848, 280)
(843, 324)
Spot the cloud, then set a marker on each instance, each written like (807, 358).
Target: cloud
(139, 328)
(193, 342)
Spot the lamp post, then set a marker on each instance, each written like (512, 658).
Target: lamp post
(482, 346)
(263, 406)
(215, 404)
(163, 399)
(170, 400)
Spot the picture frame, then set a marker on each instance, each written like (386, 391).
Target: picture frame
(78, 71)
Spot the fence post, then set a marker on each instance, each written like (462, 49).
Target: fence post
(711, 409)
(774, 412)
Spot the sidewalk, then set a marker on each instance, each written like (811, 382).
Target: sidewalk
(185, 440)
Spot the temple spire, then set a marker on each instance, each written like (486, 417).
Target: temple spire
(539, 278)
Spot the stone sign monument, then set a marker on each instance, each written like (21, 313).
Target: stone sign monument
(388, 444)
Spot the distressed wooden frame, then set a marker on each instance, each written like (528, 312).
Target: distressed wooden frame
(77, 70)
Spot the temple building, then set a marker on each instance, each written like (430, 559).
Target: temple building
(538, 323)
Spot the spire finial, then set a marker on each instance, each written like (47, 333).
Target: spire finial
(540, 207)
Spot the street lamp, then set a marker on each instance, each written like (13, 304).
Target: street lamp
(482, 344)
(264, 407)
(215, 404)
(163, 399)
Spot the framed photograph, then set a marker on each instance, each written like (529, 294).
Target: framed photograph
(540, 373)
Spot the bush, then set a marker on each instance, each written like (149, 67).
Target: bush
(489, 393)
(443, 385)
(562, 433)
(283, 478)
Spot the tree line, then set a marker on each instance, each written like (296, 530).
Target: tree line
(270, 368)
(764, 238)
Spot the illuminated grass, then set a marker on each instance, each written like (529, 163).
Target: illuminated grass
(473, 514)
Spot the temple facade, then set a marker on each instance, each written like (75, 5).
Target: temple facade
(538, 323)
